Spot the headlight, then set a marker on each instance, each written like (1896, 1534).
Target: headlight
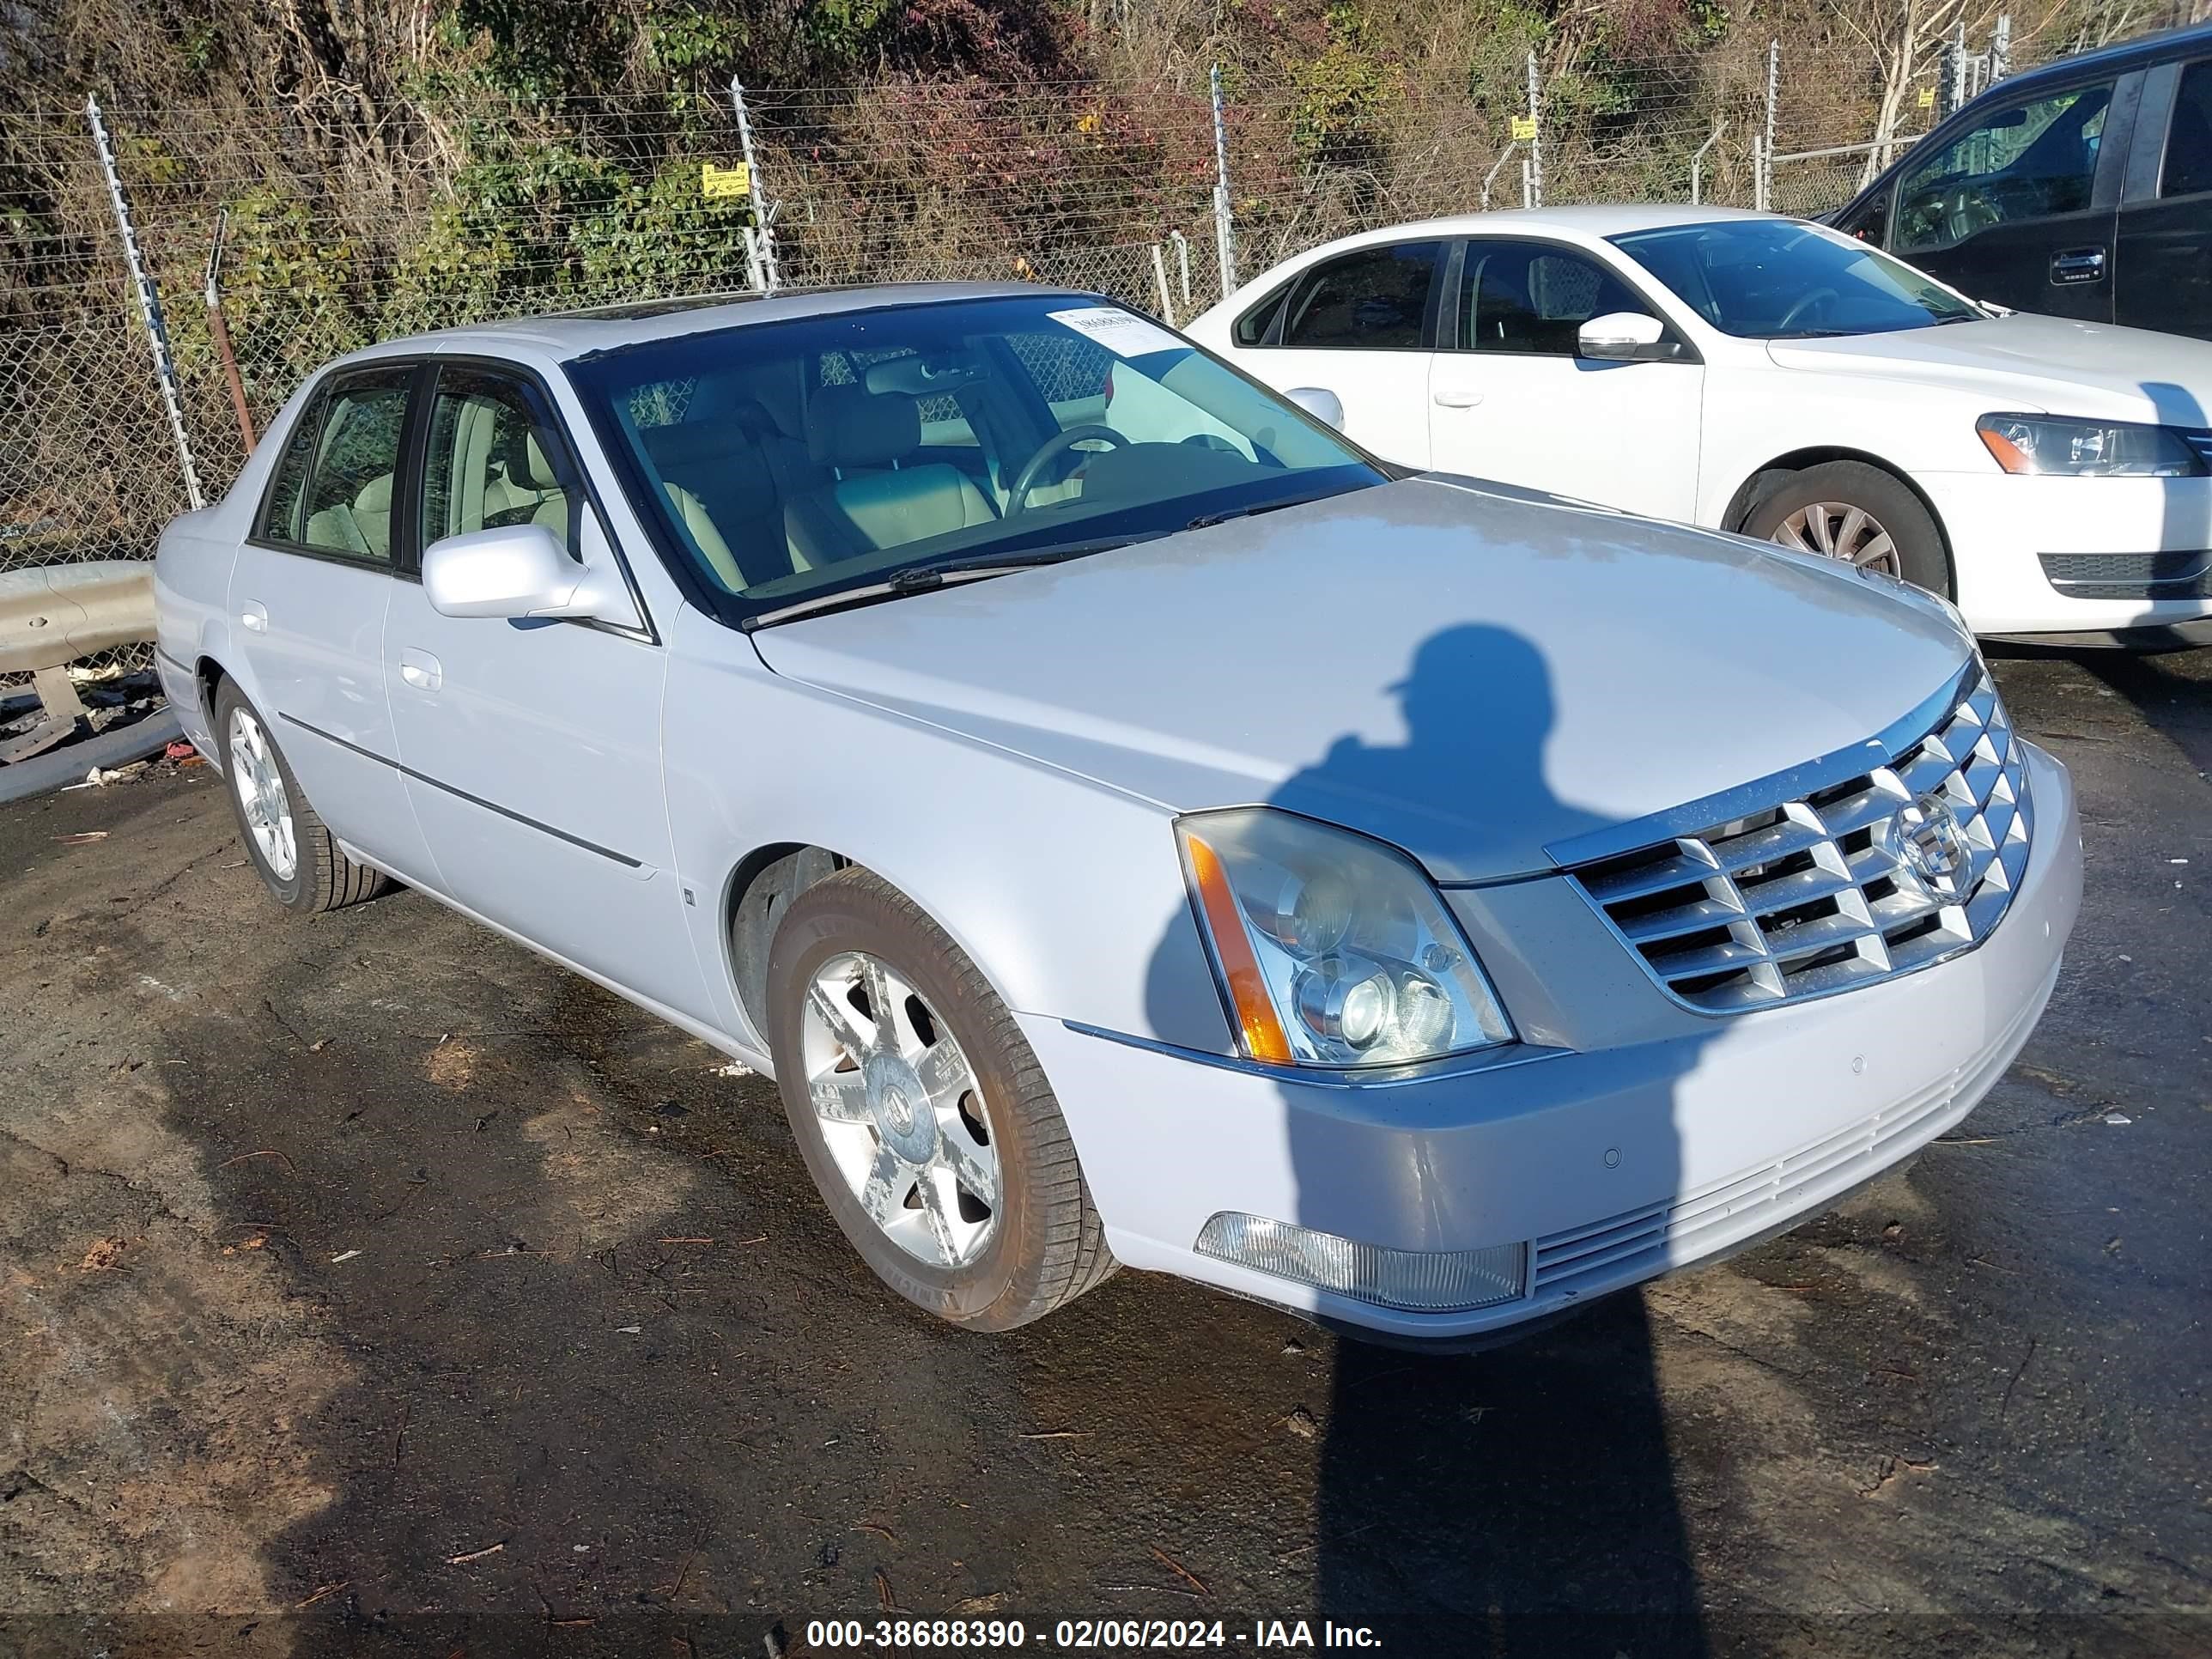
(1332, 949)
(2087, 449)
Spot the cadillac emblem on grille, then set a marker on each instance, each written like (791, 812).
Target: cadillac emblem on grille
(1924, 838)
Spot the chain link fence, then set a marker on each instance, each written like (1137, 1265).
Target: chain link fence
(340, 233)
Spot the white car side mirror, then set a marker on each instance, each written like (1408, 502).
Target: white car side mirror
(517, 571)
(1320, 403)
(1624, 337)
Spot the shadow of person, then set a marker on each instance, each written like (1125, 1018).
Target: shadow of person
(1518, 1499)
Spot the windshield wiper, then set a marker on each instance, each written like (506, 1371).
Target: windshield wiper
(1205, 520)
(933, 573)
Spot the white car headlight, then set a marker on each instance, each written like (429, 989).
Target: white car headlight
(1332, 949)
(2038, 445)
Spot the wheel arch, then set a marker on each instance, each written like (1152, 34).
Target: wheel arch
(759, 888)
(1753, 489)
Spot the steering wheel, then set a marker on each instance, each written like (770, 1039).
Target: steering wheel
(1967, 211)
(1018, 498)
(1805, 303)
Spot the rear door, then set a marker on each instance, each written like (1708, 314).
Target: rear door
(2019, 205)
(1512, 398)
(1361, 324)
(2164, 253)
(308, 595)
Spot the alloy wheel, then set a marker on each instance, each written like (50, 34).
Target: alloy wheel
(899, 1111)
(1841, 531)
(260, 782)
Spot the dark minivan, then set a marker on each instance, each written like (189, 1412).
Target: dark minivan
(2082, 189)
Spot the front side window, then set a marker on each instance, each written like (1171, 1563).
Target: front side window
(2030, 161)
(1776, 279)
(1530, 299)
(493, 461)
(787, 459)
(1375, 300)
(346, 505)
(2188, 170)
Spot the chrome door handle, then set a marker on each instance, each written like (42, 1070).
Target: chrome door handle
(253, 616)
(421, 670)
(2078, 264)
(1457, 397)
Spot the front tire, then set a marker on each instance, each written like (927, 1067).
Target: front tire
(1858, 513)
(293, 851)
(921, 1113)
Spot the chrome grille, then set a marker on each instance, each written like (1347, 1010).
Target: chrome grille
(1820, 894)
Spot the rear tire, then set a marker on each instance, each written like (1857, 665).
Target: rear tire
(293, 851)
(1850, 510)
(951, 1170)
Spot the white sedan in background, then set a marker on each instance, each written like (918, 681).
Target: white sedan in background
(1760, 374)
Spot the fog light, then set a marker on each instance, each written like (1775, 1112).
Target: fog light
(1419, 1281)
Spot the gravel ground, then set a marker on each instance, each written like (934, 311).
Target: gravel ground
(367, 1285)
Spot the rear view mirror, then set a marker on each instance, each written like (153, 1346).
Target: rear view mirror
(1624, 337)
(518, 571)
(1320, 403)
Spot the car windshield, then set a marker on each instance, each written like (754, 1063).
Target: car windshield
(1776, 279)
(790, 460)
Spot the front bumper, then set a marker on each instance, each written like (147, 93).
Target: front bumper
(2007, 535)
(1610, 1165)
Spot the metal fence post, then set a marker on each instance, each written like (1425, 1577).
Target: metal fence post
(219, 331)
(1534, 192)
(1496, 168)
(1697, 164)
(149, 303)
(2000, 49)
(1183, 263)
(760, 243)
(1224, 223)
(1763, 185)
(1160, 281)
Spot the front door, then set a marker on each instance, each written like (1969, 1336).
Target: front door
(532, 749)
(308, 594)
(1512, 400)
(2166, 219)
(2018, 208)
(1359, 325)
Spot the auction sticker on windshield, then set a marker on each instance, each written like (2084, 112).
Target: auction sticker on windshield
(1122, 333)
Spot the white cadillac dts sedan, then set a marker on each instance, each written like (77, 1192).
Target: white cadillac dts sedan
(1133, 825)
(1776, 378)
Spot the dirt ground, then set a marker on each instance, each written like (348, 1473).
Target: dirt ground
(367, 1285)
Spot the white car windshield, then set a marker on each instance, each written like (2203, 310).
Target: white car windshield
(791, 460)
(1778, 280)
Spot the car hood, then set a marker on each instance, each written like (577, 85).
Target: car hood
(2033, 364)
(1469, 672)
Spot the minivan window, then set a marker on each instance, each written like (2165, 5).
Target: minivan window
(2027, 160)
(2189, 139)
(1375, 299)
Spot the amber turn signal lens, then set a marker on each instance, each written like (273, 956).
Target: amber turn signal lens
(1261, 1031)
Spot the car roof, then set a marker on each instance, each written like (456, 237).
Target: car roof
(564, 336)
(2125, 54)
(1582, 222)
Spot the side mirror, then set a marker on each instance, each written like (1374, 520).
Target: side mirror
(1624, 337)
(1320, 403)
(517, 571)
